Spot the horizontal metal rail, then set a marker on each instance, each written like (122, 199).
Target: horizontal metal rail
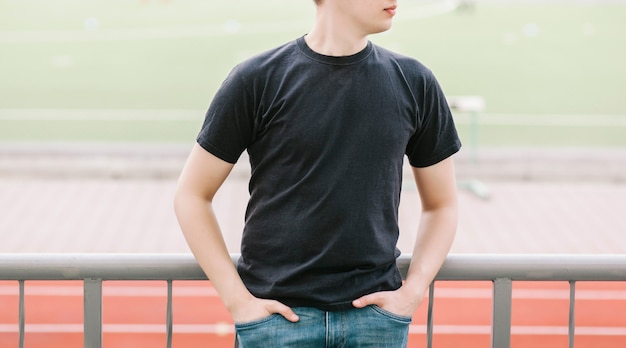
(502, 270)
(184, 267)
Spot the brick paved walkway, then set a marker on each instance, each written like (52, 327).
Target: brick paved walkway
(118, 198)
(135, 215)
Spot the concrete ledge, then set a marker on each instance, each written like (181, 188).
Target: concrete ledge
(545, 164)
(92, 160)
(142, 160)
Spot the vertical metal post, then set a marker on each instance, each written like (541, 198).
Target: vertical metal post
(502, 303)
(169, 318)
(429, 320)
(572, 317)
(92, 313)
(22, 315)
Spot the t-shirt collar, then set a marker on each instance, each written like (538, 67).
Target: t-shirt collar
(334, 60)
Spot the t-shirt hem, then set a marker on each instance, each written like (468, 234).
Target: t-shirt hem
(332, 306)
(218, 153)
(437, 158)
(340, 306)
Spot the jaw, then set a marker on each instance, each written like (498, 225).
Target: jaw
(340, 20)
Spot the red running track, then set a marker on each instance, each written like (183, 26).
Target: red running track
(134, 315)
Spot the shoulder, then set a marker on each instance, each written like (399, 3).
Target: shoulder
(409, 66)
(265, 63)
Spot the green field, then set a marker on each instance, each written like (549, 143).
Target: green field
(172, 55)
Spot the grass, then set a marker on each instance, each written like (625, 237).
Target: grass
(523, 59)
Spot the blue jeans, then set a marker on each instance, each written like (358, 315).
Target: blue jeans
(366, 327)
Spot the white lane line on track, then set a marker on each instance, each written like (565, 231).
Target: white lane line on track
(520, 330)
(218, 328)
(187, 291)
(536, 294)
(119, 291)
(227, 328)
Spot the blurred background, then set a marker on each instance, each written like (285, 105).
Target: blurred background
(100, 103)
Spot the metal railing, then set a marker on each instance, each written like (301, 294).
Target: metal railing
(502, 270)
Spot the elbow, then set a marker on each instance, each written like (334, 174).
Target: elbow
(178, 202)
(449, 207)
(186, 199)
(447, 214)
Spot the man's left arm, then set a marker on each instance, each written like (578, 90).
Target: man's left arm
(437, 227)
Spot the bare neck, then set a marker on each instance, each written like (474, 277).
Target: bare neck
(334, 36)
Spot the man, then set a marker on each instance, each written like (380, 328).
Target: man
(327, 120)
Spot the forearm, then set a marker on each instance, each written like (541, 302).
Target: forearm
(435, 236)
(203, 235)
(199, 181)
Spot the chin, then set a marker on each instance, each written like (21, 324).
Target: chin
(380, 29)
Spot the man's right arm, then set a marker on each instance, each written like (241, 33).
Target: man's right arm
(201, 177)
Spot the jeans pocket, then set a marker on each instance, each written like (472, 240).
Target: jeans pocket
(257, 322)
(260, 333)
(395, 317)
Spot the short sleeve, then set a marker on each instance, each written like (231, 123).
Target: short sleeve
(228, 125)
(435, 138)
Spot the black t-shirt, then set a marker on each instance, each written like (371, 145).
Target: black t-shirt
(326, 138)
